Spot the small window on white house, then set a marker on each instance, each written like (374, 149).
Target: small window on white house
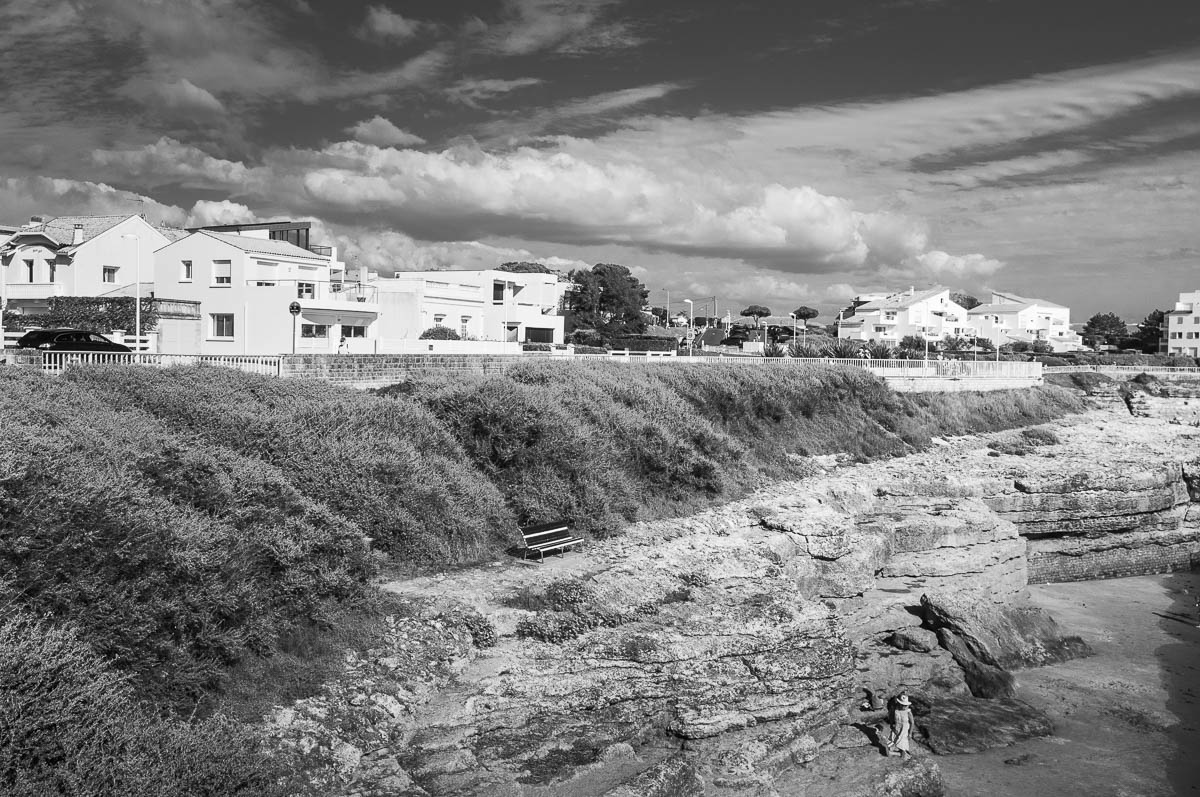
(462, 329)
(438, 319)
(185, 271)
(110, 274)
(222, 325)
(53, 271)
(314, 330)
(265, 284)
(351, 331)
(306, 290)
(29, 269)
(222, 272)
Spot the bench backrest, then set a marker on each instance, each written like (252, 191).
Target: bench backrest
(546, 531)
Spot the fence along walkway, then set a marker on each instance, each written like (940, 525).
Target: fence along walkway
(947, 369)
(1166, 370)
(54, 362)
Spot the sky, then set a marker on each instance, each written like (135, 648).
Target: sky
(744, 152)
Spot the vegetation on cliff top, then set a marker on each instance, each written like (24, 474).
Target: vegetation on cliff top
(168, 530)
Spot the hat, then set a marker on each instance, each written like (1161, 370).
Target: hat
(903, 701)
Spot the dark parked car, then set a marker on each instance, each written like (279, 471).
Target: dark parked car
(67, 340)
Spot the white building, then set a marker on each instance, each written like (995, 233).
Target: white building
(78, 256)
(930, 314)
(1009, 318)
(488, 305)
(1183, 326)
(246, 282)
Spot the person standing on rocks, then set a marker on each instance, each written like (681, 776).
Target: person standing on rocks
(902, 723)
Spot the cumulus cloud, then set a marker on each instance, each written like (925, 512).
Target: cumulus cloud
(21, 197)
(382, 133)
(169, 161)
(948, 267)
(388, 252)
(382, 23)
(206, 213)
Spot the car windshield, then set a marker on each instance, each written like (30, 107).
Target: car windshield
(94, 338)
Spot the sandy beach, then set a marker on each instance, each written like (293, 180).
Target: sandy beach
(1127, 720)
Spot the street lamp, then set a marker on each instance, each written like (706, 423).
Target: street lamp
(691, 322)
(137, 289)
(793, 316)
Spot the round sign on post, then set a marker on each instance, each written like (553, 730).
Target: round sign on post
(294, 309)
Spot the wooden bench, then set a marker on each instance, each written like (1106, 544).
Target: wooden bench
(555, 536)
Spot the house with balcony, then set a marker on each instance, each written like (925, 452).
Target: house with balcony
(486, 305)
(78, 256)
(247, 282)
(1009, 318)
(1182, 326)
(930, 314)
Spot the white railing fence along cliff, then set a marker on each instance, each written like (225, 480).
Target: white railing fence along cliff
(54, 362)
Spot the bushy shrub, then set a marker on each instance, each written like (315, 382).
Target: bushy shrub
(806, 350)
(536, 347)
(72, 726)
(388, 466)
(174, 558)
(568, 594)
(1040, 436)
(842, 348)
(439, 333)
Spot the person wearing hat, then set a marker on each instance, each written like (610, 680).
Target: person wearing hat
(902, 722)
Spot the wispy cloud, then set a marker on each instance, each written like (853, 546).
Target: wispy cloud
(384, 24)
(475, 92)
(567, 116)
(564, 26)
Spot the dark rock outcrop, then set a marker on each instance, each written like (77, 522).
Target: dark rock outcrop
(969, 725)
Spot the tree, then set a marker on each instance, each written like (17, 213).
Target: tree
(964, 300)
(916, 343)
(1103, 328)
(953, 343)
(985, 344)
(804, 313)
(608, 299)
(1150, 331)
(439, 333)
(756, 311)
(524, 267)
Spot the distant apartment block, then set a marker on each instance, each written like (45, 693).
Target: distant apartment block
(486, 305)
(246, 278)
(78, 256)
(1183, 326)
(930, 314)
(1009, 318)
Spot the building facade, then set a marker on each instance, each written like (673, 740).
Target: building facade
(1009, 318)
(248, 283)
(487, 305)
(930, 314)
(79, 256)
(1183, 326)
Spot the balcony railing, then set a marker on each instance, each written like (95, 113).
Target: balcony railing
(323, 251)
(33, 290)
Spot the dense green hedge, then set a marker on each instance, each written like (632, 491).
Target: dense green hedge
(100, 313)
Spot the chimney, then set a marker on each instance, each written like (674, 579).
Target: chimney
(77, 238)
(36, 220)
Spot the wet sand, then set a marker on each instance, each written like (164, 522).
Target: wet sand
(1127, 720)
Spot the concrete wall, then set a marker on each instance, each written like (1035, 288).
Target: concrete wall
(378, 370)
(1047, 567)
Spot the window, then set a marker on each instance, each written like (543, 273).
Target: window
(350, 331)
(314, 330)
(265, 284)
(538, 335)
(29, 269)
(53, 270)
(222, 272)
(110, 274)
(306, 290)
(185, 271)
(497, 293)
(462, 329)
(438, 319)
(222, 325)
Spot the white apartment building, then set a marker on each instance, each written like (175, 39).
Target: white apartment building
(1009, 318)
(247, 278)
(487, 305)
(78, 256)
(930, 314)
(1183, 326)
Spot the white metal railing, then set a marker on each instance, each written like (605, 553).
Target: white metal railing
(55, 362)
(1121, 369)
(988, 369)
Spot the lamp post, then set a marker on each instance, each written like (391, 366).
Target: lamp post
(137, 289)
(691, 323)
(793, 316)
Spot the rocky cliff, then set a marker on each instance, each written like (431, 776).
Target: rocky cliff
(743, 650)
